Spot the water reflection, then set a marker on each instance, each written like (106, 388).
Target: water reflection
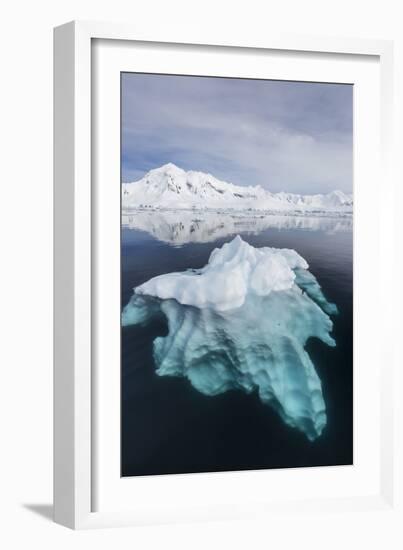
(186, 226)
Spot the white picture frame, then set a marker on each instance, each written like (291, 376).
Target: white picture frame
(77, 393)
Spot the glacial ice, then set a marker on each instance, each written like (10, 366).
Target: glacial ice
(242, 322)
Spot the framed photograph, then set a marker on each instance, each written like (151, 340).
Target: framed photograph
(222, 233)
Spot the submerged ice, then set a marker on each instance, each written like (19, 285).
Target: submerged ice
(242, 322)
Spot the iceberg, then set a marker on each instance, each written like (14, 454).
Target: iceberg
(242, 323)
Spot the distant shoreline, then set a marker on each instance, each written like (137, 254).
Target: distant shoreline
(242, 212)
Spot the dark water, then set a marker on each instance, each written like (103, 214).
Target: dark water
(169, 427)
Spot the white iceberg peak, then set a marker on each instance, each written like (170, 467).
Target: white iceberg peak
(233, 271)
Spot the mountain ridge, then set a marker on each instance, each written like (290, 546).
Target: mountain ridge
(172, 187)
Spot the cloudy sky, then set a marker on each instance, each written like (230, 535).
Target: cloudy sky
(284, 136)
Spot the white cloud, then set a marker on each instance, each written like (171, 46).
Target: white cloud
(283, 136)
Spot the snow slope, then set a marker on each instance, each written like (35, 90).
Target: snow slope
(172, 187)
(215, 341)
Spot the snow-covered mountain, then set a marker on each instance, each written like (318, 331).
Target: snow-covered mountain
(170, 187)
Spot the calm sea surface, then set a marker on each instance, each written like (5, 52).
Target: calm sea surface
(169, 427)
